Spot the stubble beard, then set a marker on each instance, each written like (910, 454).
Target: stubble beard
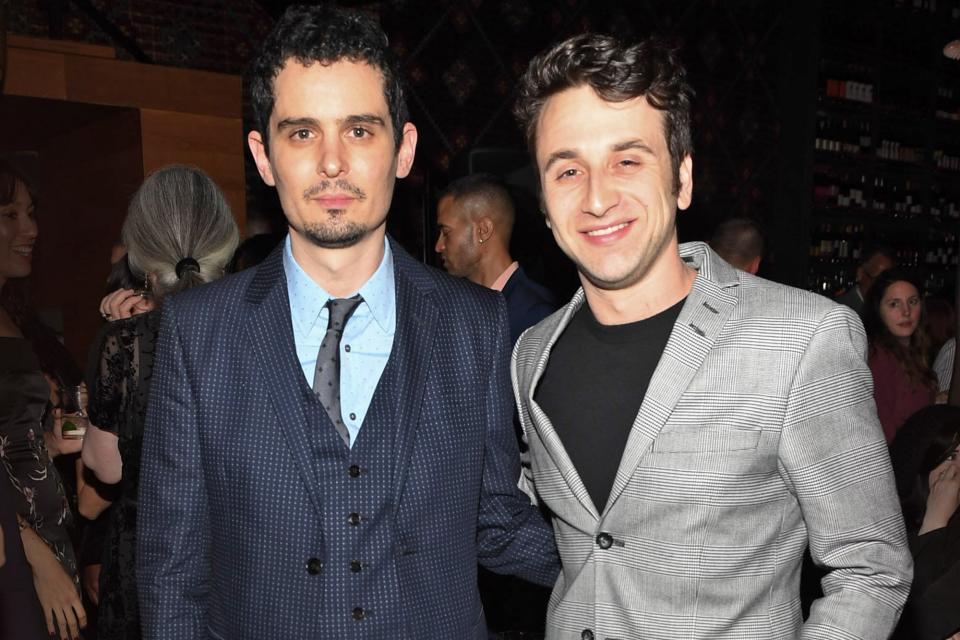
(336, 234)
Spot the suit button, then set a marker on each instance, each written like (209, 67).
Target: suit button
(314, 566)
(359, 613)
(354, 519)
(586, 635)
(353, 471)
(356, 566)
(605, 540)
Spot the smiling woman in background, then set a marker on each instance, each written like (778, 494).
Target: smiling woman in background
(28, 476)
(903, 381)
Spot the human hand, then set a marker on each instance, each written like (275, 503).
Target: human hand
(944, 495)
(58, 445)
(124, 303)
(58, 597)
(942, 398)
(91, 582)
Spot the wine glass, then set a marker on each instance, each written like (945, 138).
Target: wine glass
(73, 403)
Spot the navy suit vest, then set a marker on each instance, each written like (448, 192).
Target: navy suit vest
(361, 587)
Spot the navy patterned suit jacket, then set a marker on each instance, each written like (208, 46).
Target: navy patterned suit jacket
(236, 536)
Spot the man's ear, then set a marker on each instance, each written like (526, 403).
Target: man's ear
(685, 193)
(484, 228)
(753, 266)
(407, 150)
(259, 151)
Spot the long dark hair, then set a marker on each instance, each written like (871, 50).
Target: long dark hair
(15, 298)
(924, 441)
(912, 357)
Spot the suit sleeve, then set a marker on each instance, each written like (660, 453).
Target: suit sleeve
(834, 458)
(173, 541)
(512, 536)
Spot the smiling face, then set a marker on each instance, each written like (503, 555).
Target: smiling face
(18, 234)
(900, 310)
(332, 155)
(608, 186)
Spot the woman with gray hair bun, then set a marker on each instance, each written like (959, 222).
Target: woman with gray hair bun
(179, 233)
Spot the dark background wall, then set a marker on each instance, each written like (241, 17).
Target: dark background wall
(757, 66)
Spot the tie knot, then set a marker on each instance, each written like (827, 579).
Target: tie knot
(340, 311)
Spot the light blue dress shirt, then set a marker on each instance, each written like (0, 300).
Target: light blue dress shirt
(367, 338)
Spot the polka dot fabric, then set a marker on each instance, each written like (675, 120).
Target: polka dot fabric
(257, 522)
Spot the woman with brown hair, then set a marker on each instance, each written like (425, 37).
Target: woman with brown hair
(903, 381)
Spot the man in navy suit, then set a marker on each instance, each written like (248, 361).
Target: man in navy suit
(268, 507)
(475, 217)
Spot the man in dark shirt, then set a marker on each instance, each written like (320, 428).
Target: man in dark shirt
(691, 427)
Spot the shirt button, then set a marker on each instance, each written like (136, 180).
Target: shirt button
(353, 471)
(314, 566)
(356, 566)
(359, 613)
(604, 540)
(354, 519)
(586, 635)
(353, 416)
(346, 348)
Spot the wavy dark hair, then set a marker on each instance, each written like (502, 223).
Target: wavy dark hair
(324, 34)
(913, 357)
(924, 441)
(617, 72)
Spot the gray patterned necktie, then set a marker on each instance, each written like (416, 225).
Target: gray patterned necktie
(326, 377)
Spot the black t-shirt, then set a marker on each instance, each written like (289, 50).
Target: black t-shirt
(594, 385)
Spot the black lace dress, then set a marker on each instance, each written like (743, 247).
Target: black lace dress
(28, 477)
(119, 382)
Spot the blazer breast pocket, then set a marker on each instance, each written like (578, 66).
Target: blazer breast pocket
(705, 440)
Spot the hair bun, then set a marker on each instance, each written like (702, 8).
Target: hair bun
(187, 264)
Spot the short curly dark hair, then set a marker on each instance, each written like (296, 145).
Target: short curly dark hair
(617, 72)
(324, 34)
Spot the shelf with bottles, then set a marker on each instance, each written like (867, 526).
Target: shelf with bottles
(872, 195)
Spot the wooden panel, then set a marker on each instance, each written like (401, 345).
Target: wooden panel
(37, 74)
(213, 144)
(131, 84)
(61, 46)
(97, 80)
(86, 178)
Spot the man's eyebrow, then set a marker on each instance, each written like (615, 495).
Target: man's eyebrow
(563, 154)
(570, 154)
(288, 123)
(364, 118)
(637, 144)
(360, 118)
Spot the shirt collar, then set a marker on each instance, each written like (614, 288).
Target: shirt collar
(504, 277)
(307, 298)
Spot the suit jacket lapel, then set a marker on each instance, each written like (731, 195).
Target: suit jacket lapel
(270, 336)
(701, 320)
(549, 436)
(417, 316)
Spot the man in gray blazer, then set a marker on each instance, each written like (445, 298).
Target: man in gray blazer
(693, 428)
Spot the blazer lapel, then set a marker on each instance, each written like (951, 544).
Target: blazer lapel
(417, 316)
(548, 435)
(270, 336)
(700, 322)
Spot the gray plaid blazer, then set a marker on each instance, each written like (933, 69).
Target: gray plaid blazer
(757, 435)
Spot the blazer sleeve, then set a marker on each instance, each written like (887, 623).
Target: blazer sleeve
(833, 456)
(173, 541)
(512, 535)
